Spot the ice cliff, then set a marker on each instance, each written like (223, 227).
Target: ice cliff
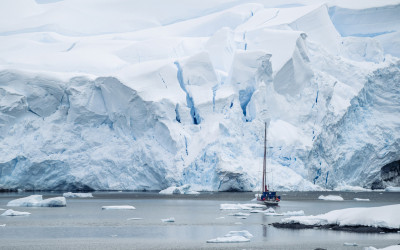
(121, 96)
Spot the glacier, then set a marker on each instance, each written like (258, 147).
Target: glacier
(129, 96)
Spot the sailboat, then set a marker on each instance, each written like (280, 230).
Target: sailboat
(268, 198)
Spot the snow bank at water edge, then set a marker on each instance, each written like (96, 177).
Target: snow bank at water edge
(78, 195)
(11, 212)
(37, 201)
(392, 189)
(123, 207)
(330, 198)
(394, 247)
(233, 237)
(382, 218)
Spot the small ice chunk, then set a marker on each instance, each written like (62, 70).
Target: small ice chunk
(256, 211)
(219, 218)
(172, 219)
(350, 244)
(122, 207)
(114, 235)
(240, 214)
(271, 212)
(233, 237)
(293, 213)
(359, 199)
(134, 219)
(37, 201)
(2, 209)
(238, 223)
(2, 225)
(330, 198)
(11, 212)
(243, 233)
(77, 195)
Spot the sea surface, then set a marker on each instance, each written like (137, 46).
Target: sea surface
(82, 224)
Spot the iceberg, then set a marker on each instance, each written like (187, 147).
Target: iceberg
(330, 198)
(38, 201)
(233, 237)
(123, 207)
(350, 244)
(11, 212)
(360, 199)
(134, 218)
(77, 195)
(172, 219)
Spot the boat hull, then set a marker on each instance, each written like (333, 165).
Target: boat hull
(268, 203)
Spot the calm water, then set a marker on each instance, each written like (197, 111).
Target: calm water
(83, 225)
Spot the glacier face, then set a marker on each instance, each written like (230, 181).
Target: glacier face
(173, 98)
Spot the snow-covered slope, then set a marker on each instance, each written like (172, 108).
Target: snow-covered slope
(120, 95)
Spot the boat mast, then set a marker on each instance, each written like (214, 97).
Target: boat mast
(264, 182)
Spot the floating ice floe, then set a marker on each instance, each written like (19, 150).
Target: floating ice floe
(248, 206)
(134, 219)
(172, 219)
(37, 201)
(220, 218)
(392, 189)
(233, 237)
(123, 207)
(330, 198)
(2, 209)
(293, 213)
(78, 195)
(350, 244)
(271, 212)
(2, 225)
(256, 211)
(382, 217)
(240, 214)
(359, 199)
(11, 212)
